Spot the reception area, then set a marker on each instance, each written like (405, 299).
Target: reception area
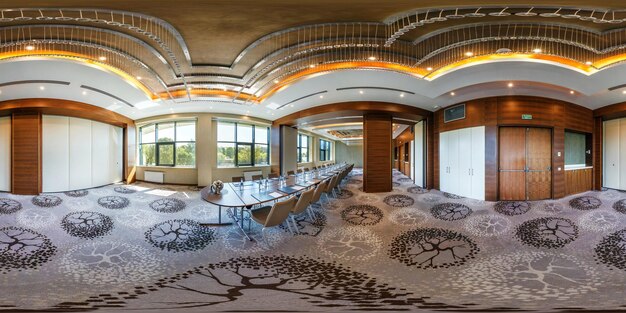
(273, 156)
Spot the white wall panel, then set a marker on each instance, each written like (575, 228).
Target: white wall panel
(5, 153)
(116, 152)
(80, 154)
(100, 154)
(55, 153)
(611, 154)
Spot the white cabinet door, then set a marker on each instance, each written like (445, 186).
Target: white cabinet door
(478, 163)
(612, 154)
(443, 161)
(465, 162)
(454, 167)
(80, 154)
(55, 165)
(5, 153)
(100, 154)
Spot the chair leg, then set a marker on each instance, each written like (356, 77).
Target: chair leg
(295, 226)
(308, 211)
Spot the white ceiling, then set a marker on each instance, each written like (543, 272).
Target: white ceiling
(483, 80)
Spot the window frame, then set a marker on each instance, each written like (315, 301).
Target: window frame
(173, 143)
(252, 145)
(299, 148)
(325, 148)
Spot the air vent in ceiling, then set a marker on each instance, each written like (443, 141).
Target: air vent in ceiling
(376, 88)
(22, 82)
(307, 96)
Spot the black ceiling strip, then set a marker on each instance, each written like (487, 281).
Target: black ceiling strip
(380, 88)
(311, 95)
(20, 82)
(107, 94)
(617, 87)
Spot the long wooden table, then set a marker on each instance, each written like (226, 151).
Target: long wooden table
(246, 195)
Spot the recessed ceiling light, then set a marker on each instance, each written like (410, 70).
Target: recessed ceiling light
(510, 85)
(188, 88)
(401, 95)
(537, 50)
(571, 92)
(276, 81)
(452, 93)
(291, 105)
(102, 58)
(30, 48)
(624, 92)
(469, 53)
(84, 93)
(429, 68)
(321, 96)
(139, 77)
(589, 63)
(361, 91)
(42, 87)
(312, 65)
(372, 58)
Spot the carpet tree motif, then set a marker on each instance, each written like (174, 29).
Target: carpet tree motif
(417, 190)
(114, 202)
(77, 193)
(487, 225)
(180, 236)
(350, 244)
(450, 211)
(512, 208)
(23, 249)
(432, 248)
(408, 217)
(87, 225)
(620, 206)
(306, 226)
(547, 232)
(585, 203)
(344, 194)
(362, 215)
(399, 201)
(8, 206)
(552, 207)
(451, 196)
(124, 190)
(36, 218)
(136, 218)
(46, 201)
(611, 251)
(599, 221)
(168, 205)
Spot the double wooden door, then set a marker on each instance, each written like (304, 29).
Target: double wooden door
(525, 160)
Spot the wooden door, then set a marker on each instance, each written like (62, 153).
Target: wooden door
(512, 159)
(539, 163)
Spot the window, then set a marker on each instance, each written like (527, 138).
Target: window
(303, 148)
(168, 144)
(242, 145)
(324, 150)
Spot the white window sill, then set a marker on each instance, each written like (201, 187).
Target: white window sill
(168, 167)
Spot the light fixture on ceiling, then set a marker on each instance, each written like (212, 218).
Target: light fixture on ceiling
(571, 92)
(452, 93)
(372, 58)
(276, 81)
(361, 91)
(510, 85)
(321, 96)
(30, 48)
(537, 50)
(84, 93)
(42, 87)
(188, 88)
(102, 58)
(139, 77)
(312, 65)
(291, 105)
(401, 95)
(589, 63)
(429, 68)
(624, 92)
(469, 53)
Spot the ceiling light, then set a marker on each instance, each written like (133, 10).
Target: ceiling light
(42, 87)
(452, 93)
(510, 85)
(588, 63)
(102, 58)
(469, 53)
(291, 105)
(361, 91)
(571, 92)
(30, 48)
(321, 96)
(537, 50)
(624, 92)
(276, 81)
(312, 65)
(139, 77)
(84, 93)
(188, 88)
(401, 95)
(429, 68)
(372, 58)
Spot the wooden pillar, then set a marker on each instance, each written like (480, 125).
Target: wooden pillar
(597, 153)
(26, 153)
(377, 153)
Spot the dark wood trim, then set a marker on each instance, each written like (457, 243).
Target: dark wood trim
(395, 110)
(26, 153)
(610, 112)
(377, 150)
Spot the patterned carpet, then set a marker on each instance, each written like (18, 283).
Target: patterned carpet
(141, 247)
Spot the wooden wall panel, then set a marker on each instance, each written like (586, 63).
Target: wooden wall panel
(26, 153)
(491, 149)
(558, 162)
(377, 150)
(578, 118)
(577, 181)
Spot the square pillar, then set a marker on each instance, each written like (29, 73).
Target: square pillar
(377, 153)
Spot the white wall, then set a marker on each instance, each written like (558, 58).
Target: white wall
(79, 153)
(5, 153)
(418, 153)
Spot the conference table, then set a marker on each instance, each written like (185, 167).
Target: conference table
(242, 196)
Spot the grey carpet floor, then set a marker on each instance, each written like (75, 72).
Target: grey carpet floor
(140, 247)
